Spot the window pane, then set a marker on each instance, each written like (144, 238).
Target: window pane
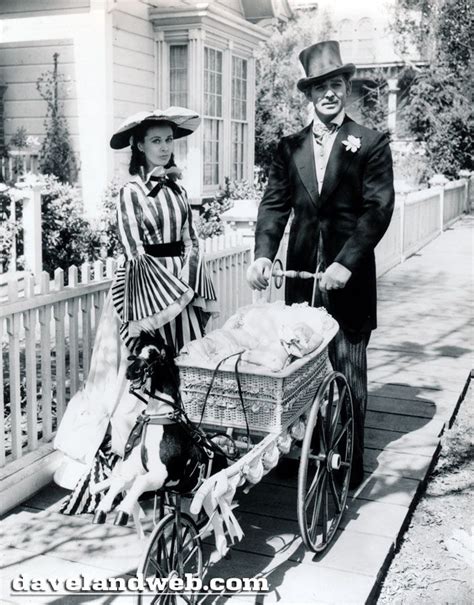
(179, 75)
(213, 82)
(239, 137)
(239, 89)
(211, 151)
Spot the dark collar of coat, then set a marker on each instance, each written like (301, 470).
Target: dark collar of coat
(339, 159)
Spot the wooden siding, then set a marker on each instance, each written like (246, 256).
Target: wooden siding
(33, 8)
(133, 68)
(20, 66)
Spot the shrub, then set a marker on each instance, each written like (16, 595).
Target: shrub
(10, 229)
(68, 237)
(210, 222)
(57, 155)
(281, 108)
(107, 227)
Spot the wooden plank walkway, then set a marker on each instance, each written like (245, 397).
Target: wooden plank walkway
(420, 358)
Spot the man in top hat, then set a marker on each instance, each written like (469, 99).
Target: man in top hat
(336, 177)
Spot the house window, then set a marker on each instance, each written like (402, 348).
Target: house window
(366, 41)
(178, 79)
(346, 38)
(239, 116)
(212, 115)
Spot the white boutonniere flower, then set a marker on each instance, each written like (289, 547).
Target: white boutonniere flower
(352, 143)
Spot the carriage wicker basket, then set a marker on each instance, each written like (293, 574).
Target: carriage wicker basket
(272, 400)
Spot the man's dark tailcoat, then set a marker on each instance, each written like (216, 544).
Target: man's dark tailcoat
(352, 213)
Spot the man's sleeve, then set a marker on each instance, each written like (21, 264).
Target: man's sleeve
(378, 199)
(274, 208)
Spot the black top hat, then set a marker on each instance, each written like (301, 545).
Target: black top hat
(322, 60)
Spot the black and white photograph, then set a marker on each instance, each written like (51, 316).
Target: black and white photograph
(236, 302)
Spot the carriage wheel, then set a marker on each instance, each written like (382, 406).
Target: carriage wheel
(173, 550)
(325, 465)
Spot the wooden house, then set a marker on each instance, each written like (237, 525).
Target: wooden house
(124, 56)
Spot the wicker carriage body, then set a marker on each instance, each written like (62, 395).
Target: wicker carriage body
(272, 400)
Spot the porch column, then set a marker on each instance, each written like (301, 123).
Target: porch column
(162, 93)
(3, 88)
(226, 153)
(392, 104)
(250, 144)
(93, 67)
(194, 178)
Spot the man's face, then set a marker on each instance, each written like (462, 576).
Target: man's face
(329, 96)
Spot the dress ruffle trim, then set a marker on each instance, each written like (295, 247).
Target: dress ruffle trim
(144, 287)
(199, 279)
(152, 323)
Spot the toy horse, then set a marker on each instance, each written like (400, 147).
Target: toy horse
(164, 448)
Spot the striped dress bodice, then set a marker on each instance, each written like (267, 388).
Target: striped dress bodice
(149, 290)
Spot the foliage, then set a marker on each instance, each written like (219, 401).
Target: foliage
(209, 223)
(10, 228)
(107, 227)
(57, 155)
(440, 115)
(438, 109)
(19, 138)
(373, 107)
(410, 166)
(280, 107)
(68, 237)
(413, 24)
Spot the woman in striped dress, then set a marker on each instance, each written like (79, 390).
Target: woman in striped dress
(162, 286)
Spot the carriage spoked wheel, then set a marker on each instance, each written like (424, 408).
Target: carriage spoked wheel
(325, 464)
(173, 550)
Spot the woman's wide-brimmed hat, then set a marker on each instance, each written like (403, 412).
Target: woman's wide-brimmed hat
(184, 120)
(321, 61)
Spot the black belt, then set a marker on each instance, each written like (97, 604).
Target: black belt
(162, 250)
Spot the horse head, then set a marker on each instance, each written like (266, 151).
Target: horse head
(154, 361)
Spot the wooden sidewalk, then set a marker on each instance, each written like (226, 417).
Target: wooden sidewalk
(420, 359)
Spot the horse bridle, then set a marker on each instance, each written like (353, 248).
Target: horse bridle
(178, 416)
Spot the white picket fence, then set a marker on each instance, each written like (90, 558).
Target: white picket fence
(418, 218)
(18, 163)
(47, 333)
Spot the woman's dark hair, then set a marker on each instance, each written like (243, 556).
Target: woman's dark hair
(137, 161)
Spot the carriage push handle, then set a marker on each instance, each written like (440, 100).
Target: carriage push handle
(278, 273)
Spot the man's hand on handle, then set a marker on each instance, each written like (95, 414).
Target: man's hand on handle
(259, 273)
(335, 277)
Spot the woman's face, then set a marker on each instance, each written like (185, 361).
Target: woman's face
(157, 145)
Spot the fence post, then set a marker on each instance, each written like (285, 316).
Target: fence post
(32, 230)
(403, 198)
(466, 196)
(12, 264)
(441, 209)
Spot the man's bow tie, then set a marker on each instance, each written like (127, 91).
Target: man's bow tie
(320, 130)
